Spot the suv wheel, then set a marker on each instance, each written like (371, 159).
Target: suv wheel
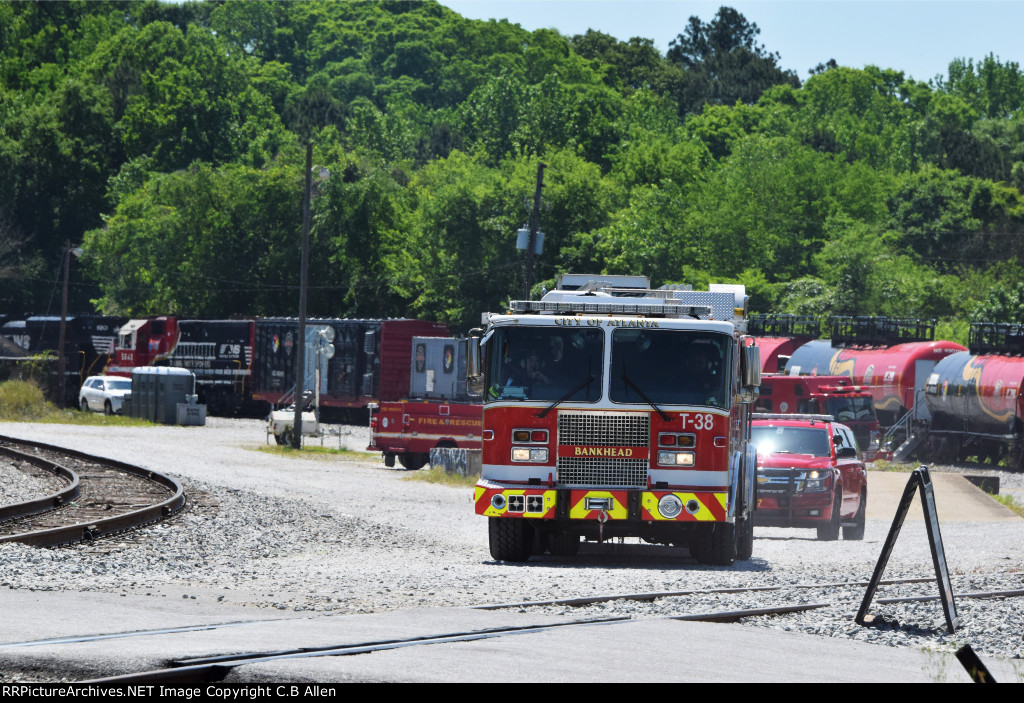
(856, 530)
(829, 532)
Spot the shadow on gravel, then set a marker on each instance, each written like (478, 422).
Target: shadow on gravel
(635, 556)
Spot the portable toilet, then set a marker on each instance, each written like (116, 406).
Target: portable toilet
(166, 394)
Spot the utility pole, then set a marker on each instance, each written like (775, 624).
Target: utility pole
(61, 359)
(534, 227)
(300, 360)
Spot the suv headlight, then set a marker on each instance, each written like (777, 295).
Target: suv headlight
(816, 480)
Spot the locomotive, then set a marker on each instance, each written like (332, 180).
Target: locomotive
(240, 365)
(88, 343)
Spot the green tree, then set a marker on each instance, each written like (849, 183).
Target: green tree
(723, 64)
(457, 258)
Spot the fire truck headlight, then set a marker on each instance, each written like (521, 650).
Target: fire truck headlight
(670, 506)
(531, 455)
(676, 458)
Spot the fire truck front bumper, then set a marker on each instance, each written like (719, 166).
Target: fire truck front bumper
(603, 505)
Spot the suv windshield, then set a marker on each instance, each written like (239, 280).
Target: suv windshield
(544, 363)
(790, 440)
(669, 367)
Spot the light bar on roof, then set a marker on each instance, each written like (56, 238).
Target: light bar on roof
(668, 308)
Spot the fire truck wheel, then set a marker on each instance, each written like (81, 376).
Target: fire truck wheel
(565, 544)
(714, 544)
(723, 544)
(744, 538)
(413, 461)
(829, 532)
(856, 530)
(511, 539)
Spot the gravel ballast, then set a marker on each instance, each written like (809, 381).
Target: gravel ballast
(347, 535)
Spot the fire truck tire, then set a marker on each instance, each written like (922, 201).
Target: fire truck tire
(511, 539)
(565, 544)
(723, 544)
(829, 532)
(714, 544)
(413, 461)
(744, 538)
(856, 530)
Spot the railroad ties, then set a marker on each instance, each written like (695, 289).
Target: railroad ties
(95, 497)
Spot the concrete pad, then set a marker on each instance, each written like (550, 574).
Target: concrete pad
(956, 499)
(653, 650)
(635, 650)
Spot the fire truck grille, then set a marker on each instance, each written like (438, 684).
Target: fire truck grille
(603, 429)
(591, 471)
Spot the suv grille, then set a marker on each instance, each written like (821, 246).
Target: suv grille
(603, 429)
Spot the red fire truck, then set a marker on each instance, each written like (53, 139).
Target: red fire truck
(613, 410)
(437, 413)
(826, 395)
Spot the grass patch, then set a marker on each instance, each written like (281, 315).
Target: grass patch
(316, 451)
(1011, 503)
(891, 466)
(21, 401)
(438, 475)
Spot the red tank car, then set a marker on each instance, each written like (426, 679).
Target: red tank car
(778, 336)
(894, 372)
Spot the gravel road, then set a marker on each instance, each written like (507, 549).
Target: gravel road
(348, 535)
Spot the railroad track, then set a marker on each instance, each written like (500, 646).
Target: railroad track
(97, 497)
(213, 669)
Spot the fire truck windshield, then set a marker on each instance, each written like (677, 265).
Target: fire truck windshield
(670, 367)
(847, 409)
(544, 363)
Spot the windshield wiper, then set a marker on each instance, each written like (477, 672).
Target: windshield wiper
(643, 395)
(582, 384)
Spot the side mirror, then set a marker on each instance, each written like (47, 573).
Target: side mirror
(473, 355)
(474, 373)
(750, 366)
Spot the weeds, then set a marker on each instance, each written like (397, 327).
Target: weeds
(23, 401)
(317, 452)
(438, 475)
(1011, 503)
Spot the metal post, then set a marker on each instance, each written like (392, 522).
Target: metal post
(300, 356)
(534, 227)
(61, 358)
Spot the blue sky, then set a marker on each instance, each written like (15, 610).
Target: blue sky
(919, 38)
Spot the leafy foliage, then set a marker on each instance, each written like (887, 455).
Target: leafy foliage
(167, 139)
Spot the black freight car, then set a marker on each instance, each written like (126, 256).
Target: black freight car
(357, 361)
